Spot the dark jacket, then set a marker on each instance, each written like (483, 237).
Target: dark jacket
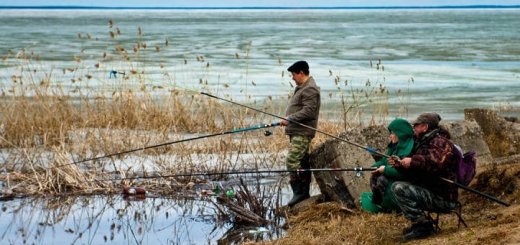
(433, 157)
(304, 107)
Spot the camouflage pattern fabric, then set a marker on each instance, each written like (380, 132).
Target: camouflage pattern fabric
(297, 150)
(378, 184)
(414, 200)
(432, 157)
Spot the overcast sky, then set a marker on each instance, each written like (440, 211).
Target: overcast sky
(249, 3)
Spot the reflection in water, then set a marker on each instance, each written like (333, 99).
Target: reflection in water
(114, 219)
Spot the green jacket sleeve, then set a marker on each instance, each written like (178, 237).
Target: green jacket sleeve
(392, 173)
(379, 163)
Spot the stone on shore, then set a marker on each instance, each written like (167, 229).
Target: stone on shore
(469, 136)
(346, 186)
(501, 135)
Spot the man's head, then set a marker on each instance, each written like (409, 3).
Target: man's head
(426, 122)
(299, 71)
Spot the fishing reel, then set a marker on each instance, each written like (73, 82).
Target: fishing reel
(358, 172)
(268, 133)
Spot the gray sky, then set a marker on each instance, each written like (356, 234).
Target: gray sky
(246, 3)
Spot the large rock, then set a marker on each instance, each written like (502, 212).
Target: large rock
(346, 187)
(469, 136)
(502, 136)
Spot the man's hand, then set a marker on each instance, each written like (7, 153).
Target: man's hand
(404, 163)
(379, 170)
(394, 160)
(284, 122)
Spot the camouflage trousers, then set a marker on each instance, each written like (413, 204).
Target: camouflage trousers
(298, 150)
(415, 200)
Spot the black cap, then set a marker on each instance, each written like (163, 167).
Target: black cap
(299, 66)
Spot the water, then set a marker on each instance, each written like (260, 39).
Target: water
(445, 59)
(123, 220)
(96, 220)
(100, 220)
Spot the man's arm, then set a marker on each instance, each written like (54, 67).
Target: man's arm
(438, 155)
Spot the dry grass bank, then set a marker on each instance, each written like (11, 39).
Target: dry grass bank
(489, 223)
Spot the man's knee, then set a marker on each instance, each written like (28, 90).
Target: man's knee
(400, 188)
(297, 152)
(404, 192)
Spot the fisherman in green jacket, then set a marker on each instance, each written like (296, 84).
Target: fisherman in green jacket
(401, 143)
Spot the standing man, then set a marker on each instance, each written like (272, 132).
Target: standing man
(303, 109)
(431, 158)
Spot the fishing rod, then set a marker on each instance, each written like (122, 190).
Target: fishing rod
(269, 171)
(476, 192)
(370, 150)
(255, 127)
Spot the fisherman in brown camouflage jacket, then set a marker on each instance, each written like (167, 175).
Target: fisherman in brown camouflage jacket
(431, 158)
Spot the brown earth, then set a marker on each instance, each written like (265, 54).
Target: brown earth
(489, 222)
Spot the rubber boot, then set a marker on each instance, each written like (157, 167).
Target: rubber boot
(306, 177)
(299, 188)
(419, 230)
(301, 182)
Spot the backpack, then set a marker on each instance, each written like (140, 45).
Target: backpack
(466, 165)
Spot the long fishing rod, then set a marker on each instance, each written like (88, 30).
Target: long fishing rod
(477, 192)
(370, 150)
(255, 127)
(269, 171)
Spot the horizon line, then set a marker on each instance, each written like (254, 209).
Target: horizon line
(257, 7)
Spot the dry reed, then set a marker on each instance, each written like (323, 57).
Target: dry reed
(40, 116)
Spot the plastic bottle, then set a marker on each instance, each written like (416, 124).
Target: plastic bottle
(230, 193)
(132, 190)
(217, 189)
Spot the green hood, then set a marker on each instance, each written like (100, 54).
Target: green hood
(404, 131)
(403, 148)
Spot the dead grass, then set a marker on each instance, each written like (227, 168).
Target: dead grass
(51, 117)
(489, 223)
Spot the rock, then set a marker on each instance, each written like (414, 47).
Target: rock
(508, 159)
(346, 187)
(511, 119)
(502, 136)
(469, 136)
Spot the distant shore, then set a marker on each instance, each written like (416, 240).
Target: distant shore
(269, 8)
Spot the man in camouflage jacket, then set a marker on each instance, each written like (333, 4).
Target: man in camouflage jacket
(432, 158)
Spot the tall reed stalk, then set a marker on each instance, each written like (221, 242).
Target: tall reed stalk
(57, 118)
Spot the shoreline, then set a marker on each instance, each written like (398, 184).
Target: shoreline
(265, 7)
